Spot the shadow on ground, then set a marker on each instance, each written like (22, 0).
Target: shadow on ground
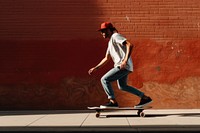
(155, 115)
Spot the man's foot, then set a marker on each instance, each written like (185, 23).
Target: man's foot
(143, 102)
(110, 105)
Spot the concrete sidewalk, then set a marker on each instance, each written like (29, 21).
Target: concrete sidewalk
(156, 120)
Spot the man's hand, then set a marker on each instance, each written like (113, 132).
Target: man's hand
(91, 70)
(123, 65)
(103, 61)
(129, 48)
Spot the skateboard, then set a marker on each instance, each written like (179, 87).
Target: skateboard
(140, 112)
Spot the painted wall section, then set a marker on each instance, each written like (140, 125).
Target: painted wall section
(47, 47)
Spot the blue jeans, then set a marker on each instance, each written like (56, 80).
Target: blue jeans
(121, 77)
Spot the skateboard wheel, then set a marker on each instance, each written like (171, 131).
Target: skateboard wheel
(142, 114)
(97, 115)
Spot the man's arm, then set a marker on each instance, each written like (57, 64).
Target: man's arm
(102, 62)
(129, 48)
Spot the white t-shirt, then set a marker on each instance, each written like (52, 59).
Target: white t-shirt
(118, 51)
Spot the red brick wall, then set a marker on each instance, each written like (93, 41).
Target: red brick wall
(47, 47)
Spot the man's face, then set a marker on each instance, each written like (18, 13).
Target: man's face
(106, 33)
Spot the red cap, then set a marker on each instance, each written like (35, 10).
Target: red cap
(106, 25)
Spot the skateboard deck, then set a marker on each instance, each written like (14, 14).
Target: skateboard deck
(139, 110)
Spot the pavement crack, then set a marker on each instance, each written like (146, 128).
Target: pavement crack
(84, 119)
(35, 120)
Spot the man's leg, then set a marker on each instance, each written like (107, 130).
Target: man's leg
(110, 76)
(122, 84)
(121, 76)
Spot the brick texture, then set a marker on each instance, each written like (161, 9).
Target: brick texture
(67, 19)
(47, 47)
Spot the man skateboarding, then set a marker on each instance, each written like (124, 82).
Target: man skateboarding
(119, 50)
